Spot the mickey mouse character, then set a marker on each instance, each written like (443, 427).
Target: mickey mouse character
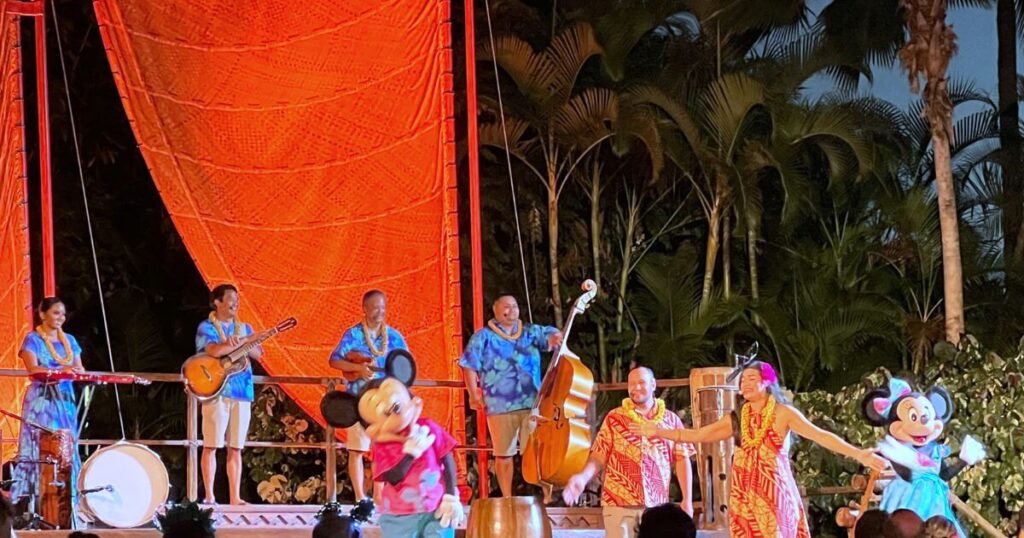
(412, 455)
(913, 422)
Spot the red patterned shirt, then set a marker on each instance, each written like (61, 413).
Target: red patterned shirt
(637, 471)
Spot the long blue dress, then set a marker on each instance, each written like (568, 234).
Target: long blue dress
(51, 405)
(926, 493)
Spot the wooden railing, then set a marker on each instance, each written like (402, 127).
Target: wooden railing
(330, 445)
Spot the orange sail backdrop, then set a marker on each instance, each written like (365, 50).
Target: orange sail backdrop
(15, 282)
(305, 152)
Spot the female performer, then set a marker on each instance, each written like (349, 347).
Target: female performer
(47, 404)
(764, 500)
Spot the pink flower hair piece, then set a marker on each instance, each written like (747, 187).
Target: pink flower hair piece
(768, 375)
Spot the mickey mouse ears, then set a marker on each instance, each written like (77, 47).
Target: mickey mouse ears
(401, 366)
(341, 409)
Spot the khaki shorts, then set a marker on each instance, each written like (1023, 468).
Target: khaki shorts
(509, 432)
(225, 418)
(356, 438)
(621, 522)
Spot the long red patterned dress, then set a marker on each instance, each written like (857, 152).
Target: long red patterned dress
(764, 501)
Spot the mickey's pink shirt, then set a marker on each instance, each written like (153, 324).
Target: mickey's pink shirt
(423, 486)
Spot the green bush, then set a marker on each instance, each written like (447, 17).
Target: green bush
(288, 475)
(989, 397)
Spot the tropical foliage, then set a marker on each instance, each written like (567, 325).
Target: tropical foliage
(716, 202)
(672, 151)
(989, 405)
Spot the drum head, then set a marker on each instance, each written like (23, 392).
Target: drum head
(132, 483)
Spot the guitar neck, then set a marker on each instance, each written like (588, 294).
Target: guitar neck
(243, 351)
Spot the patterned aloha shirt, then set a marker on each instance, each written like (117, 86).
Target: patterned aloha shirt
(239, 386)
(637, 471)
(354, 340)
(509, 370)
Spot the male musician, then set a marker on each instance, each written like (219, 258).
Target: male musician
(370, 338)
(501, 364)
(637, 469)
(226, 416)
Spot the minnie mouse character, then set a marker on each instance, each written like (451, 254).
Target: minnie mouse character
(913, 422)
(412, 455)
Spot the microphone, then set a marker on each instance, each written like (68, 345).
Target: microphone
(743, 360)
(108, 488)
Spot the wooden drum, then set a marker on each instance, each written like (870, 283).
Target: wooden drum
(55, 488)
(511, 517)
(712, 397)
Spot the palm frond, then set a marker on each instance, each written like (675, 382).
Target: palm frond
(567, 53)
(679, 115)
(533, 72)
(728, 104)
(621, 25)
(492, 134)
(641, 124)
(588, 117)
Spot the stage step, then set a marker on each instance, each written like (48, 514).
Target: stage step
(294, 532)
(295, 521)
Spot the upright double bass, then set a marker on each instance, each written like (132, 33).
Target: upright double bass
(559, 442)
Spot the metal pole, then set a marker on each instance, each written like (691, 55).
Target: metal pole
(476, 244)
(45, 183)
(37, 10)
(192, 460)
(332, 458)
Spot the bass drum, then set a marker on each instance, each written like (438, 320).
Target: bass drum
(123, 485)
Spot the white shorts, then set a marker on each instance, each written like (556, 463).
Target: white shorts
(356, 438)
(225, 418)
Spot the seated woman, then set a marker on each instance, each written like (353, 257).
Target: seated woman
(47, 404)
(764, 499)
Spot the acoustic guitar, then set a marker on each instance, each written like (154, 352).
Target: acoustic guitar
(206, 376)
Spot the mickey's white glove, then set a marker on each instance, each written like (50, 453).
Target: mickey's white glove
(420, 439)
(450, 512)
(971, 451)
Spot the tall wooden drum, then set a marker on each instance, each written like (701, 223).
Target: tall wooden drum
(55, 488)
(510, 517)
(711, 398)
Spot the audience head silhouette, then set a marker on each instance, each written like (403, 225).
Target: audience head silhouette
(667, 519)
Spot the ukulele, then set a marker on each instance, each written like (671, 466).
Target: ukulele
(356, 357)
(206, 376)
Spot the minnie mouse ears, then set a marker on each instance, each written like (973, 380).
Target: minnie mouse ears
(878, 403)
(341, 409)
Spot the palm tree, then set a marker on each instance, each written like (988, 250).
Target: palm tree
(1007, 29)
(551, 127)
(674, 322)
(930, 47)
(705, 132)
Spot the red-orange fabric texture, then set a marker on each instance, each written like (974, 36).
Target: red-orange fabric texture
(15, 282)
(305, 152)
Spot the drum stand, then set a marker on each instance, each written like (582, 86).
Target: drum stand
(30, 519)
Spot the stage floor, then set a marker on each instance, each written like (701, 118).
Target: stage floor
(295, 521)
(294, 532)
